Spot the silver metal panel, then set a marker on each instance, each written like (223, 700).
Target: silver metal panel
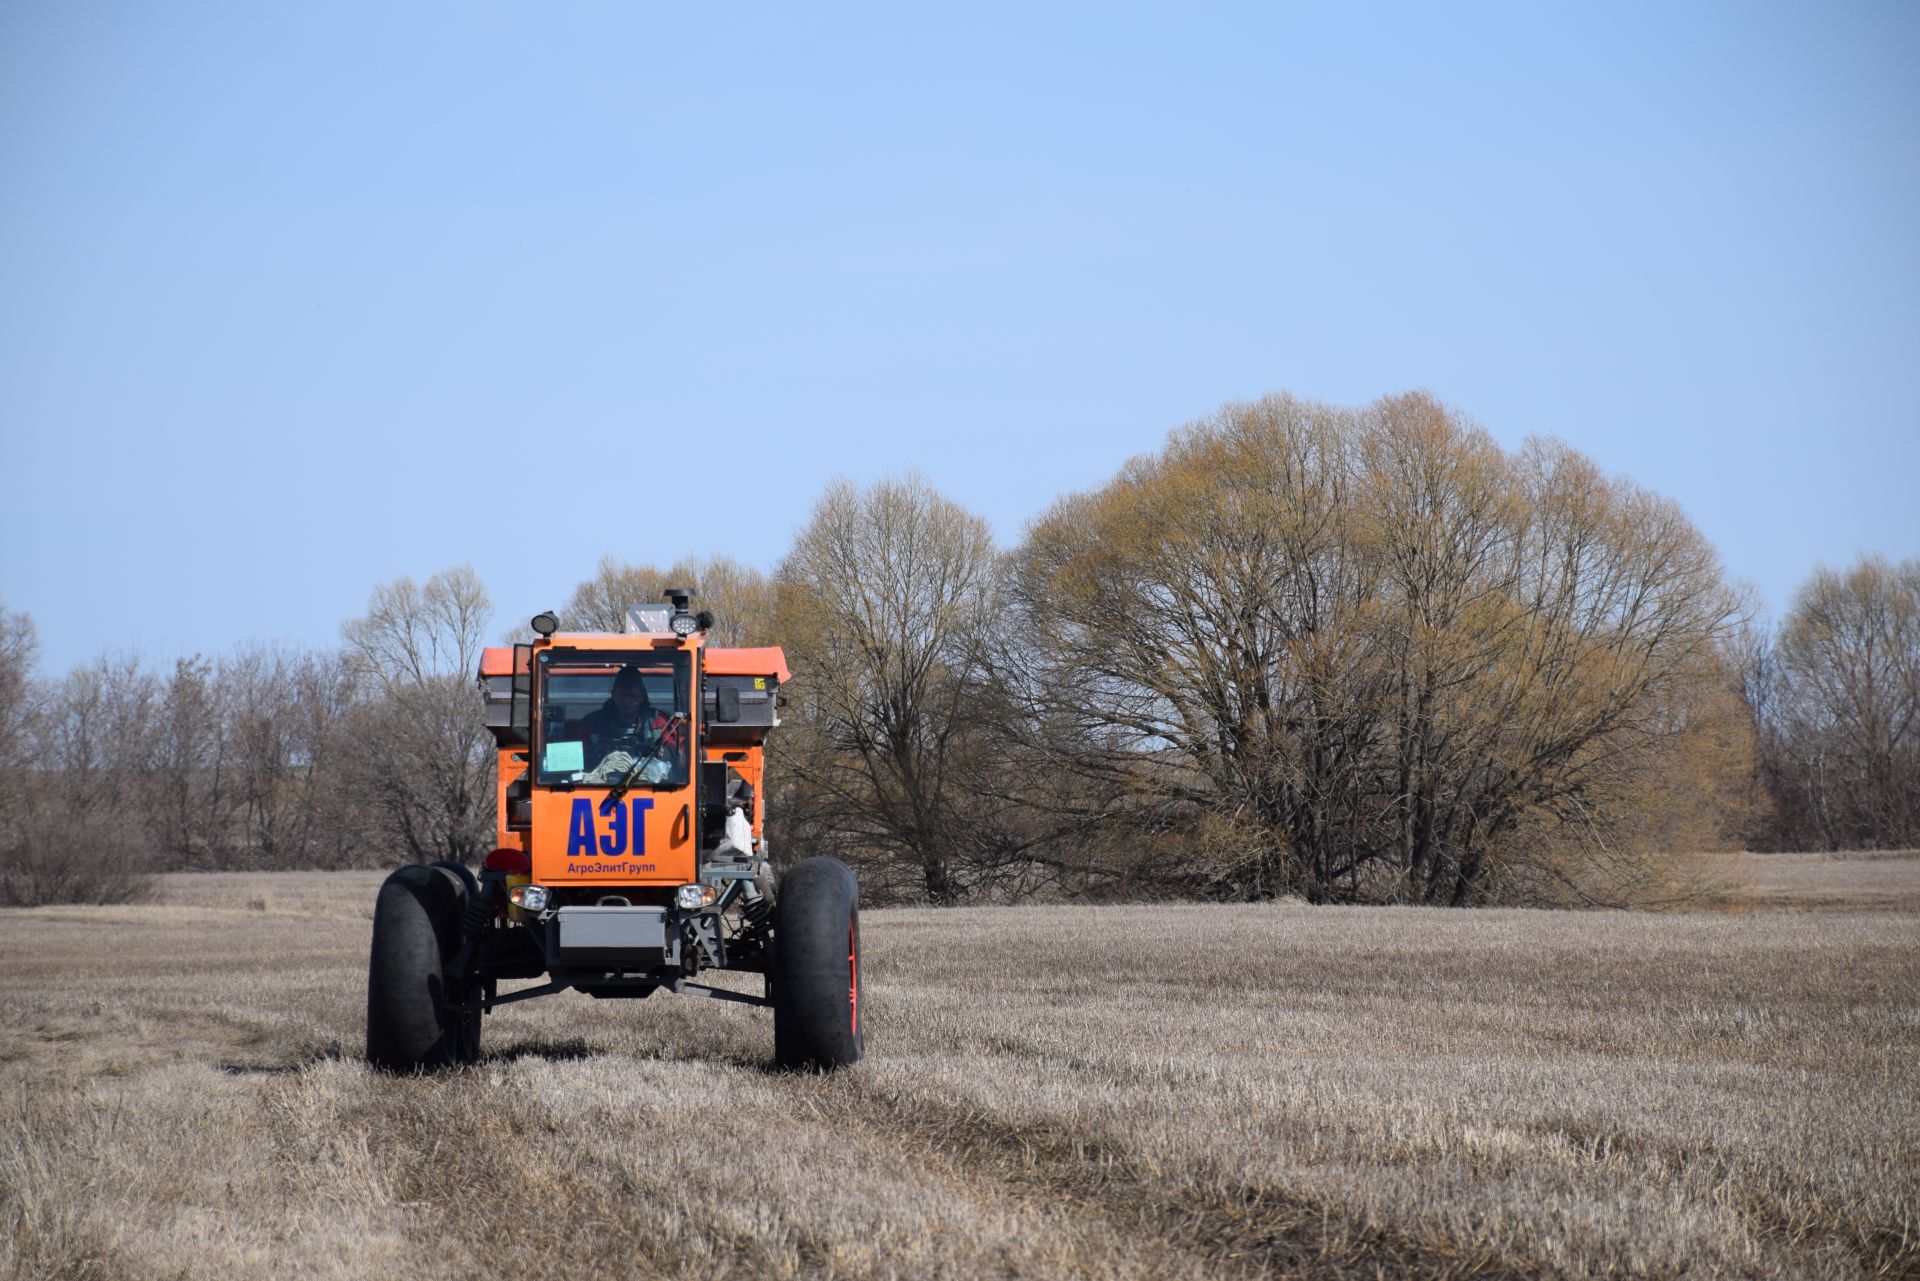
(648, 618)
(613, 928)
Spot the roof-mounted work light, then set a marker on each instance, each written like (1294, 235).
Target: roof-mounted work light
(683, 623)
(545, 623)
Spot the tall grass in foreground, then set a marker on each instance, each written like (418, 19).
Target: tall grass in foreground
(1102, 1092)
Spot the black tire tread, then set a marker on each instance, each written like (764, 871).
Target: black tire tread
(416, 934)
(819, 903)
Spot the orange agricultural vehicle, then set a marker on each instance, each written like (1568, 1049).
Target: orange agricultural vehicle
(630, 857)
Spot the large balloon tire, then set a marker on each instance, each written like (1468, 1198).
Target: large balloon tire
(416, 938)
(817, 1019)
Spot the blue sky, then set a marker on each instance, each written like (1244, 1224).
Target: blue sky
(299, 298)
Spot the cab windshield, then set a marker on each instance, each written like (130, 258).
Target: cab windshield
(607, 719)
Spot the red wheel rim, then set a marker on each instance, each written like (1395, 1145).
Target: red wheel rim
(853, 979)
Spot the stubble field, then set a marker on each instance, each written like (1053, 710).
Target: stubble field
(1050, 1092)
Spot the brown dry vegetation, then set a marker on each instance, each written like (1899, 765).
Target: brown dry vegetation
(1107, 1092)
(1859, 880)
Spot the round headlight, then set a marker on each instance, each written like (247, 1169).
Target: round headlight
(684, 624)
(545, 623)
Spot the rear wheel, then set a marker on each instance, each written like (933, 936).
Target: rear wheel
(816, 967)
(411, 977)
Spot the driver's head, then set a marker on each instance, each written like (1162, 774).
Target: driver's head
(629, 694)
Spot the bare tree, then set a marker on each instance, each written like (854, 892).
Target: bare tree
(740, 596)
(190, 788)
(1843, 709)
(418, 741)
(600, 604)
(1368, 649)
(286, 756)
(328, 827)
(19, 705)
(74, 833)
(1618, 673)
(1442, 517)
(252, 764)
(1201, 624)
(412, 634)
(884, 605)
(19, 648)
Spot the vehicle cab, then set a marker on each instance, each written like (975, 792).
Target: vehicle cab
(624, 761)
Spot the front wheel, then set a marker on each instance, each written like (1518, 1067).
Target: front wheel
(411, 978)
(816, 967)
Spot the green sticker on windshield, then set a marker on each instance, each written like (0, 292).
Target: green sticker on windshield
(562, 758)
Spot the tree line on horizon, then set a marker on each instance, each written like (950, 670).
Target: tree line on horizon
(1351, 655)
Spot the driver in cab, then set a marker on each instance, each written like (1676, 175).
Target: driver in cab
(627, 729)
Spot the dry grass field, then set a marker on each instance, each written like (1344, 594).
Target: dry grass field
(1080, 1092)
